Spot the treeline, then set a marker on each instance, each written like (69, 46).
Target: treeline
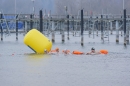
(57, 7)
(91, 6)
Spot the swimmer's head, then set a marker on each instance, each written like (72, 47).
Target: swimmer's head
(92, 48)
(45, 51)
(57, 49)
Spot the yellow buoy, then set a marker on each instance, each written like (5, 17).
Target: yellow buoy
(37, 41)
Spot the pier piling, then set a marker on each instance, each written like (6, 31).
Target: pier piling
(68, 27)
(31, 22)
(53, 33)
(41, 21)
(127, 32)
(97, 26)
(82, 27)
(127, 36)
(26, 27)
(73, 24)
(111, 27)
(101, 27)
(1, 15)
(117, 32)
(16, 29)
(63, 35)
(124, 24)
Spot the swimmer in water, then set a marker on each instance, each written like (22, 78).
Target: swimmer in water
(66, 52)
(93, 52)
(56, 51)
(45, 51)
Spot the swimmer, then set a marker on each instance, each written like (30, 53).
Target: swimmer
(56, 51)
(45, 51)
(93, 52)
(66, 52)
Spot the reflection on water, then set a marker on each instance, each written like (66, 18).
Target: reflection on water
(36, 56)
(37, 59)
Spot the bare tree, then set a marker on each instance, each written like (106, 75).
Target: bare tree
(73, 6)
(92, 6)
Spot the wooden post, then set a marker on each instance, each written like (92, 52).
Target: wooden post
(1, 15)
(111, 27)
(63, 35)
(102, 28)
(117, 32)
(68, 27)
(16, 29)
(41, 22)
(73, 24)
(97, 26)
(53, 33)
(82, 27)
(31, 22)
(124, 26)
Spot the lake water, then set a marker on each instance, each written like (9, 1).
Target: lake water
(20, 66)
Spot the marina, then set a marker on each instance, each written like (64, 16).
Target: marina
(91, 25)
(28, 38)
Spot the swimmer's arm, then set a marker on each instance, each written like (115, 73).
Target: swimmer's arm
(98, 52)
(50, 53)
(88, 53)
(70, 53)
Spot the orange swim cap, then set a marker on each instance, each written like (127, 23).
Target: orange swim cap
(57, 49)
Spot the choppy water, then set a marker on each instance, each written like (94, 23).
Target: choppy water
(20, 66)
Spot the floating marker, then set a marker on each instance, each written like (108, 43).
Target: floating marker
(37, 41)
